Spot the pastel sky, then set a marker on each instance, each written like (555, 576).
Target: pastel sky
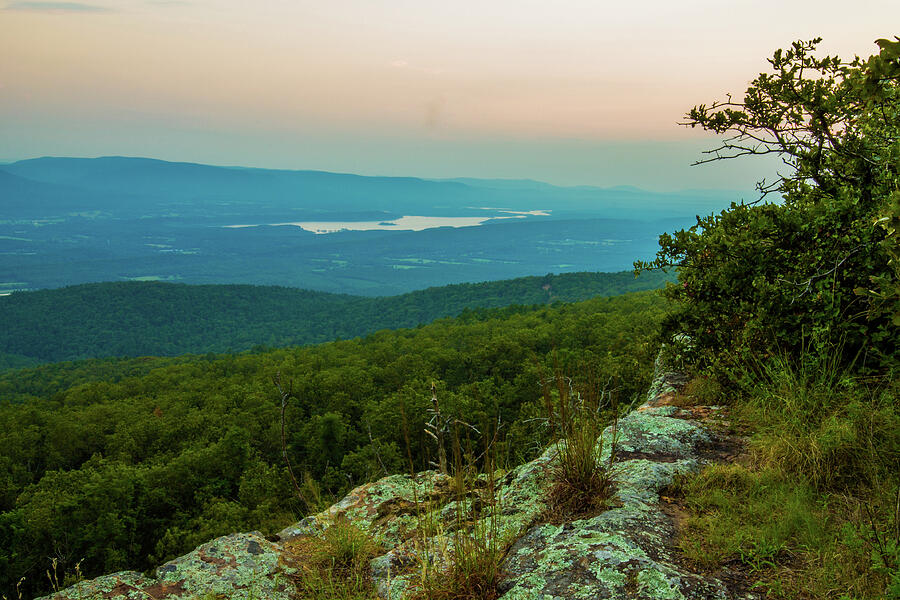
(570, 92)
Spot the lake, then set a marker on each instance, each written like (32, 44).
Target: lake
(405, 223)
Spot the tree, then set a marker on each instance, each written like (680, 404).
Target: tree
(817, 267)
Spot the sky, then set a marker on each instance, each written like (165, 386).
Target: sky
(573, 92)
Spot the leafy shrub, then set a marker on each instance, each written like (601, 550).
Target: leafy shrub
(821, 264)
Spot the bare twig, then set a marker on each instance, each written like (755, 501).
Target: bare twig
(806, 284)
(375, 448)
(285, 396)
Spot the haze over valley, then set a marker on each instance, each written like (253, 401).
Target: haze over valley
(68, 221)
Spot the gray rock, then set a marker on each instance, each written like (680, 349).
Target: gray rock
(625, 551)
(237, 566)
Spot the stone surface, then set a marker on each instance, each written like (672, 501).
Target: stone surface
(237, 567)
(626, 551)
(126, 585)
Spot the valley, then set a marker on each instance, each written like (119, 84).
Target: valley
(73, 221)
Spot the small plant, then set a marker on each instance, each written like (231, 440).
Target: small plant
(472, 560)
(761, 554)
(337, 566)
(885, 552)
(310, 494)
(582, 484)
(68, 579)
(75, 578)
(472, 550)
(348, 548)
(18, 590)
(52, 574)
(700, 390)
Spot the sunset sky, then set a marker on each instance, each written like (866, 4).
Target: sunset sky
(570, 92)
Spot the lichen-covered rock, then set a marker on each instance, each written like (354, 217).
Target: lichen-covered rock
(658, 432)
(125, 585)
(237, 567)
(389, 509)
(623, 551)
(626, 551)
(619, 553)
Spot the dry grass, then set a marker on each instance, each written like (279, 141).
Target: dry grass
(701, 390)
(582, 484)
(472, 570)
(336, 566)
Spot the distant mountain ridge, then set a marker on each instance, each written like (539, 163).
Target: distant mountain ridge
(68, 221)
(135, 176)
(150, 318)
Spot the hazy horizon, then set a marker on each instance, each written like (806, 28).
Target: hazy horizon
(459, 178)
(573, 93)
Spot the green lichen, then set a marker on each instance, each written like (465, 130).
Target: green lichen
(612, 577)
(643, 475)
(580, 561)
(656, 585)
(127, 586)
(237, 566)
(652, 433)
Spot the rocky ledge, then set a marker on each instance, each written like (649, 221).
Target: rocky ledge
(626, 551)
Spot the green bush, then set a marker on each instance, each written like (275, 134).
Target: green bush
(820, 264)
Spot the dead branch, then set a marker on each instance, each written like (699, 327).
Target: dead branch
(285, 396)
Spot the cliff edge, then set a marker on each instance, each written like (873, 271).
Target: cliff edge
(629, 550)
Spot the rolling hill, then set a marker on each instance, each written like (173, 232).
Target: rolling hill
(152, 318)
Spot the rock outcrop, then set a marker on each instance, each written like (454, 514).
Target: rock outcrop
(625, 551)
(240, 565)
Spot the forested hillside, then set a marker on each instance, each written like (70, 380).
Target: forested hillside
(125, 463)
(160, 319)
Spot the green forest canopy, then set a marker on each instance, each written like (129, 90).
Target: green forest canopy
(164, 319)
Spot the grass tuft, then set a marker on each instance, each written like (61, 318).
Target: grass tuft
(822, 424)
(581, 484)
(475, 550)
(337, 566)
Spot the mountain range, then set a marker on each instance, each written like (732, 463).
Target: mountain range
(67, 221)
